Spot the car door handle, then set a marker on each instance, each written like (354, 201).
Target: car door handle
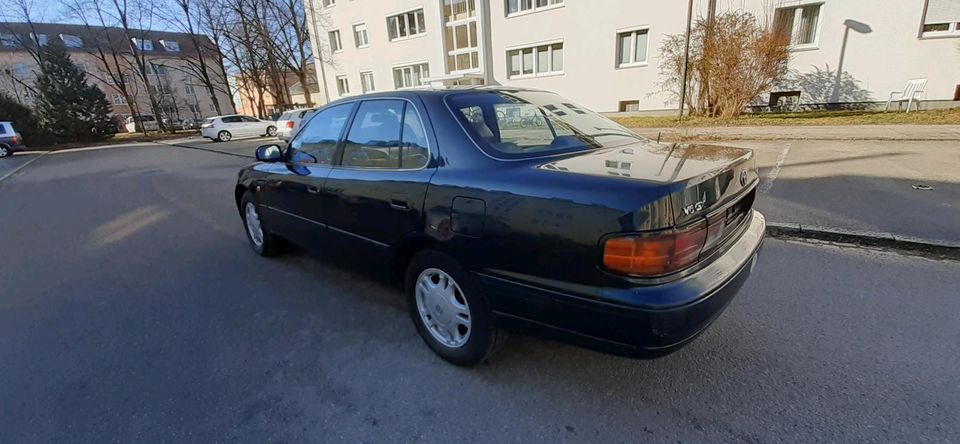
(313, 190)
(397, 204)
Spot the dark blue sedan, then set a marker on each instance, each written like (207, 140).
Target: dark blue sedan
(503, 209)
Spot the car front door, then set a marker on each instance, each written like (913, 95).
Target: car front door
(233, 125)
(379, 187)
(294, 188)
(253, 126)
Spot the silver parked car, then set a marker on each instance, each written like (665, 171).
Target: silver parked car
(10, 140)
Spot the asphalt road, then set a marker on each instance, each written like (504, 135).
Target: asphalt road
(132, 310)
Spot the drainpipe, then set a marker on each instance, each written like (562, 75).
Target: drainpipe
(487, 45)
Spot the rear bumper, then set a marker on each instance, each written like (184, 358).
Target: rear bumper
(209, 133)
(642, 321)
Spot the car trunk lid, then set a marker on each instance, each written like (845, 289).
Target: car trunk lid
(701, 178)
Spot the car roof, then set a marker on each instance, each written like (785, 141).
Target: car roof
(431, 91)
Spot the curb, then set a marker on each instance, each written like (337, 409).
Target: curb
(21, 167)
(209, 150)
(937, 248)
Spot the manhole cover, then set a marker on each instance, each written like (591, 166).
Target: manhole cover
(922, 187)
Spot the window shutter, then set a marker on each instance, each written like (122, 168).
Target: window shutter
(942, 11)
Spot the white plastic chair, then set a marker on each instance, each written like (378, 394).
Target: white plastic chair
(911, 92)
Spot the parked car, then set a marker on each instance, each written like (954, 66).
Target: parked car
(289, 122)
(568, 224)
(10, 140)
(226, 128)
(146, 121)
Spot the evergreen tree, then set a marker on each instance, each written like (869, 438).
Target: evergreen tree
(66, 106)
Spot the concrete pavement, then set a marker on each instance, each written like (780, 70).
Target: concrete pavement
(131, 309)
(847, 132)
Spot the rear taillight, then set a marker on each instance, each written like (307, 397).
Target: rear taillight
(657, 253)
(290, 124)
(15, 139)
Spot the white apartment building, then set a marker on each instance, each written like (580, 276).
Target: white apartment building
(604, 53)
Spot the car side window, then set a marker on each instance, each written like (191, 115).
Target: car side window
(374, 137)
(249, 119)
(317, 142)
(3, 128)
(231, 119)
(413, 152)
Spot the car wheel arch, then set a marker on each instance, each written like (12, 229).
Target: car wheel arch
(404, 252)
(238, 193)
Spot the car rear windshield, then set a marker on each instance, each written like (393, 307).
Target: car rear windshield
(520, 124)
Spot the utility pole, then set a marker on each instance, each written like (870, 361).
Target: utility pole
(686, 60)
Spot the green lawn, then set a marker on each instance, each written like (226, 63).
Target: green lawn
(933, 117)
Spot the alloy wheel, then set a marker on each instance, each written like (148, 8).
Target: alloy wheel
(253, 224)
(443, 308)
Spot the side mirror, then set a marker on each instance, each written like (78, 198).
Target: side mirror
(268, 153)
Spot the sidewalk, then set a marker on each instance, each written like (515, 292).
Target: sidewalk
(866, 180)
(853, 132)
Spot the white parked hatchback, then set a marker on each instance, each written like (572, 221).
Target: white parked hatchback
(226, 128)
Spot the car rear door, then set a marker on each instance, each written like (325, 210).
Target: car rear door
(294, 191)
(379, 186)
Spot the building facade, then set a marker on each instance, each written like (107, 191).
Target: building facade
(605, 54)
(171, 64)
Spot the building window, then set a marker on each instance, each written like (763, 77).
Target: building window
(405, 25)
(460, 35)
(335, 44)
(39, 39)
(410, 76)
(521, 6)
(343, 85)
(329, 3)
(632, 48)
(194, 108)
(629, 105)
(81, 66)
(188, 90)
(170, 45)
(9, 40)
(942, 18)
(536, 60)
(21, 71)
(799, 23)
(119, 99)
(360, 35)
(71, 41)
(366, 81)
(143, 45)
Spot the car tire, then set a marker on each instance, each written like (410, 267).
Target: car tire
(224, 136)
(271, 131)
(436, 308)
(261, 239)
(5, 151)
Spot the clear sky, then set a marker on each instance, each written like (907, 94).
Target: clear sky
(51, 11)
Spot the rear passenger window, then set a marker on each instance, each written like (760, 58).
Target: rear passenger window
(414, 153)
(228, 119)
(317, 142)
(3, 128)
(374, 137)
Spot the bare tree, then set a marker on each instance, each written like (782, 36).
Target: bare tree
(135, 18)
(732, 60)
(111, 53)
(292, 39)
(192, 18)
